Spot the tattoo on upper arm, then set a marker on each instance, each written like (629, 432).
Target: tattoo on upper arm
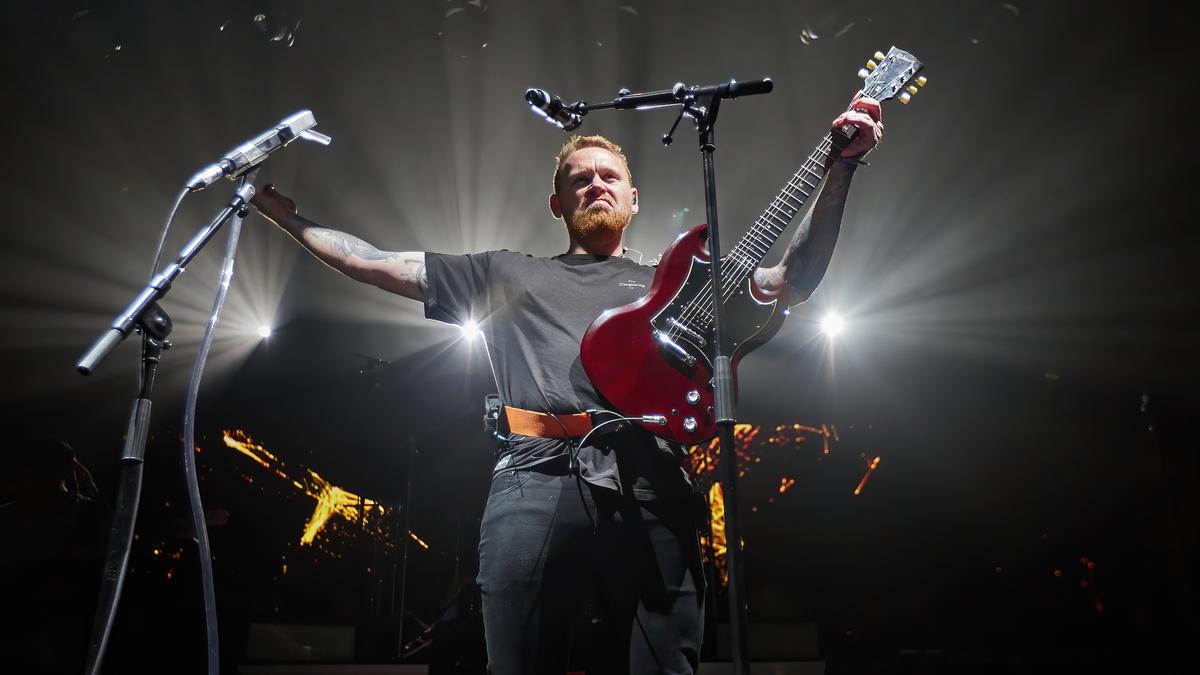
(416, 273)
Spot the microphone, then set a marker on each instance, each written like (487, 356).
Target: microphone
(250, 154)
(552, 108)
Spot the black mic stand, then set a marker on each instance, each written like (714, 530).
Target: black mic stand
(146, 317)
(705, 118)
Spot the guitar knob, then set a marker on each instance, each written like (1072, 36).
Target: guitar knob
(921, 81)
(871, 65)
(693, 397)
(879, 56)
(862, 73)
(689, 424)
(905, 97)
(911, 89)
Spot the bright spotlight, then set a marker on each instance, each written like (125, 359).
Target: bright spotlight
(264, 331)
(470, 330)
(832, 324)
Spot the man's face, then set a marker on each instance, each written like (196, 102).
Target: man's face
(594, 197)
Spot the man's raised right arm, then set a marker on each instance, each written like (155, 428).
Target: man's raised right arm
(400, 272)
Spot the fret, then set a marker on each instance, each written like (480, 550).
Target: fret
(754, 245)
(750, 239)
(789, 190)
(763, 242)
(771, 229)
(785, 195)
(754, 233)
(742, 251)
(785, 208)
(761, 248)
(785, 216)
(799, 200)
(758, 248)
(812, 186)
(798, 177)
(744, 261)
(826, 144)
(787, 205)
(762, 230)
(782, 223)
(753, 239)
(762, 218)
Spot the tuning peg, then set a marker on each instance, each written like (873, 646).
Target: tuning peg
(905, 97)
(862, 72)
(912, 90)
(921, 81)
(879, 56)
(871, 65)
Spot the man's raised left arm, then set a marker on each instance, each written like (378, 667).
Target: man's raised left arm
(810, 250)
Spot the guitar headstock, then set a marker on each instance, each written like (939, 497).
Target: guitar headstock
(891, 76)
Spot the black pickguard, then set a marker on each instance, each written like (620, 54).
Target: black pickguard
(686, 318)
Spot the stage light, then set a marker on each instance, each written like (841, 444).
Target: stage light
(470, 330)
(832, 324)
(264, 331)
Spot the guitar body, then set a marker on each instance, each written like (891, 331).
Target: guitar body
(652, 356)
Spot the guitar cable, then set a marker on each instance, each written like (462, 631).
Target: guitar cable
(574, 449)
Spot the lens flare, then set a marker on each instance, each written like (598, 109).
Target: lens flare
(832, 324)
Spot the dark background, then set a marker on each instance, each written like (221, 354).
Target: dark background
(1013, 269)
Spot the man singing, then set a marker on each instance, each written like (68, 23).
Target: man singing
(610, 523)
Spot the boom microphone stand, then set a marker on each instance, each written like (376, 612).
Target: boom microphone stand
(146, 317)
(688, 98)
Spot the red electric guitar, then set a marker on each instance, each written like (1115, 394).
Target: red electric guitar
(652, 357)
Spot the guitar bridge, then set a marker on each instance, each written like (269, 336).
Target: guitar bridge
(666, 341)
(700, 341)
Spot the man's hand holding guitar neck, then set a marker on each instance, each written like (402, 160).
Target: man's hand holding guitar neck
(811, 248)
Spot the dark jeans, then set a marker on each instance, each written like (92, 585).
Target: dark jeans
(543, 565)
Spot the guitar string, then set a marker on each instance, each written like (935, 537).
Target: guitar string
(738, 265)
(762, 225)
(728, 291)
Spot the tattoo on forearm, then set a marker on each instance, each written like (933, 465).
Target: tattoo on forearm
(348, 244)
(401, 273)
(810, 249)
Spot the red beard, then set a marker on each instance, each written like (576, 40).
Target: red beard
(598, 225)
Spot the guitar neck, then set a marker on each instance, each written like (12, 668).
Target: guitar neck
(747, 255)
(886, 76)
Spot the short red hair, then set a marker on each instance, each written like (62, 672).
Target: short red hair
(580, 142)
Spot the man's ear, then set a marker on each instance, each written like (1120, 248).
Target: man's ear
(555, 206)
(634, 203)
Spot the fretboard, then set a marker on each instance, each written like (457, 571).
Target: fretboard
(747, 255)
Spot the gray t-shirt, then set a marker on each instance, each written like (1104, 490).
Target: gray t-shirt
(533, 313)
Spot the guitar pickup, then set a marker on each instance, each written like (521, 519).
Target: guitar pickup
(700, 341)
(666, 341)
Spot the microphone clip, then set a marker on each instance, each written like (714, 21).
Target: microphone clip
(553, 110)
